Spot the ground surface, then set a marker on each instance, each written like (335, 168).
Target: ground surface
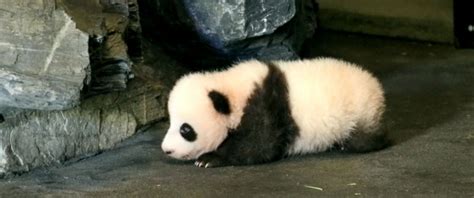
(430, 98)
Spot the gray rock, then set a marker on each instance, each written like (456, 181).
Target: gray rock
(31, 139)
(213, 33)
(46, 138)
(114, 29)
(43, 57)
(222, 22)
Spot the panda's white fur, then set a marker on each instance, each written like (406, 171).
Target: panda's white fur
(329, 99)
(189, 102)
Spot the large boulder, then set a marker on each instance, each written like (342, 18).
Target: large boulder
(44, 58)
(222, 22)
(216, 32)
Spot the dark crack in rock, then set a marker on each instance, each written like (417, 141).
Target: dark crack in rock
(114, 29)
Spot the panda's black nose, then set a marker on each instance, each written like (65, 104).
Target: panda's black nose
(168, 152)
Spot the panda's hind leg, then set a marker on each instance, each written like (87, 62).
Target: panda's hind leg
(361, 141)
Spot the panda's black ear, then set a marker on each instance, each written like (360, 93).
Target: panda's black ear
(220, 102)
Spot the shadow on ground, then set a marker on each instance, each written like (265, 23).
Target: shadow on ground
(430, 100)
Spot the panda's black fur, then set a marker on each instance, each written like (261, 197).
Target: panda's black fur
(266, 130)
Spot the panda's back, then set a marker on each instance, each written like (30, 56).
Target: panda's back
(328, 99)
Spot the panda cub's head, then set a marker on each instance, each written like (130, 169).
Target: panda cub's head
(198, 118)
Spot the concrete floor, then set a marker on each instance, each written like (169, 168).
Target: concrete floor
(430, 97)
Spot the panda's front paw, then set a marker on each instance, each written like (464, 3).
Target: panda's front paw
(210, 160)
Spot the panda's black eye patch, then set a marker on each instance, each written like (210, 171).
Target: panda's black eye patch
(187, 132)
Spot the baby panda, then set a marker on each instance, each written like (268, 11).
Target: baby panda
(257, 112)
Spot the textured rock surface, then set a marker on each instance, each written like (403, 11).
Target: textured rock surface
(217, 32)
(43, 57)
(61, 135)
(30, 139)
(222, 22)
(114, 29)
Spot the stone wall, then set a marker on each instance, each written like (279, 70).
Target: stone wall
(33, 138)
(65, 81)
